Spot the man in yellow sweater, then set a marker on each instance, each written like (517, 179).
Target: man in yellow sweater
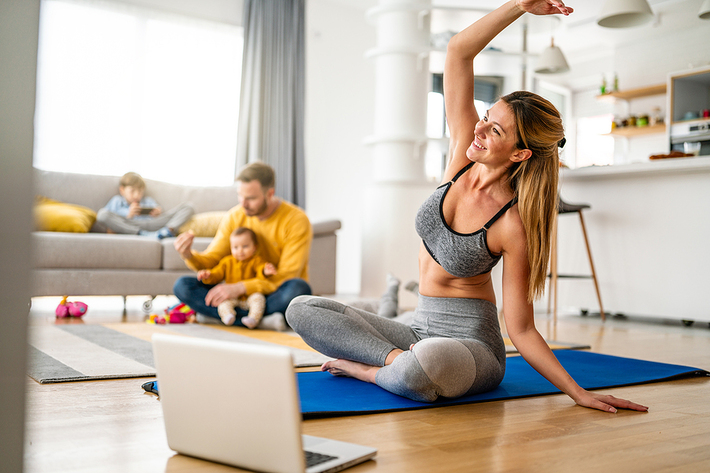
(284, 234)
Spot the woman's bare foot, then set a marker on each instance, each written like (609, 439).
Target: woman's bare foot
(357, 370)
(352, 369)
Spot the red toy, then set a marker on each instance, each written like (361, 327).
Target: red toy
(73, 309)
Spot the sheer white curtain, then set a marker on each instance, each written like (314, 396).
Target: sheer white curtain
(273, 84)
(121, 88)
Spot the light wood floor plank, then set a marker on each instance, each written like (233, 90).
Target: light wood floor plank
(112, 426)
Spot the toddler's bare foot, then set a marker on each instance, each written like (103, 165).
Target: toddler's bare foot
(352, 369)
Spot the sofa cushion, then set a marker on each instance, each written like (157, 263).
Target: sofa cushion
(53, 216)
(95, 251)
(204, 224)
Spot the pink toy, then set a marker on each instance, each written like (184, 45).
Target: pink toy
(177, 314)
(180, 313)
(73, 309)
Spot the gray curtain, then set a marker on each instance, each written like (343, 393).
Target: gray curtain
(272, 102)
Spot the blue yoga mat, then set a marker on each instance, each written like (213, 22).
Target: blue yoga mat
(325, 395)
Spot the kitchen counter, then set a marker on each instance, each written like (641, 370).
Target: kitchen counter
(649, 230)
(658, 166)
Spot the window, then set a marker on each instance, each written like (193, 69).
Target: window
(593, 148)
(121, 89)
(487, 90)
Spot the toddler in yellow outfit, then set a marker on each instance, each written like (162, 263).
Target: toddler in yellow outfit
(243, 263)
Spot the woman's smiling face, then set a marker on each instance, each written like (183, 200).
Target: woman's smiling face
(495, 135)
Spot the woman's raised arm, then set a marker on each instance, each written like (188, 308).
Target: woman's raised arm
(459, 76)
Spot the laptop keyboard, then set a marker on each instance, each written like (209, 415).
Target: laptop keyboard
(313, 458)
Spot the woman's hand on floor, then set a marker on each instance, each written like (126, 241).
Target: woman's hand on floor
(607, 403)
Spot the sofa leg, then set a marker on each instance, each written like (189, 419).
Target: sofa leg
(148, 305)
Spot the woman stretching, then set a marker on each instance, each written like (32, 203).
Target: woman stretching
(498, 200)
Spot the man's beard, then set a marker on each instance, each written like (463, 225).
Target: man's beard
(259, 211)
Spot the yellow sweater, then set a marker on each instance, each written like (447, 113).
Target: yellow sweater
(231, 270)
(284, 239)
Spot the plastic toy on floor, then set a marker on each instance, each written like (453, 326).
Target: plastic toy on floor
(70, 309)
(177, 314)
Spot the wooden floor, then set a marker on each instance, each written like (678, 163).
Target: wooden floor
(112, 426)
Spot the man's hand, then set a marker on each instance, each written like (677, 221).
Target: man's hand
(156, 211)
(222, 292)
(183, 244)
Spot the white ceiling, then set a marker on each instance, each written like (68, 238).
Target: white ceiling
(578, 35)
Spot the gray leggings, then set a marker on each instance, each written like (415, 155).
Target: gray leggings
(458, 347)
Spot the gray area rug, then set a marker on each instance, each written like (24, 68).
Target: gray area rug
(80, 352)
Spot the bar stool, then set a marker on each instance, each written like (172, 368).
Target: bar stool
(565, 208)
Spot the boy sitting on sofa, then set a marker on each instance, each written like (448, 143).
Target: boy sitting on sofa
(132, 212)
(243, 263)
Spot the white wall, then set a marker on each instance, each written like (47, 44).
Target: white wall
(340, 90)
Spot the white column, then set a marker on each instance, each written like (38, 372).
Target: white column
(398, 142)
(401, 86)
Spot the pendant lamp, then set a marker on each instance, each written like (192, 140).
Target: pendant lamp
(552, 61)
(704, 13)
(624, 13)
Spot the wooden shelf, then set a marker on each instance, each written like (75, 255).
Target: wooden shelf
(629, 131)
(633, 93)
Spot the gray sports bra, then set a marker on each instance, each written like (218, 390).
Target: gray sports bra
(460, 254)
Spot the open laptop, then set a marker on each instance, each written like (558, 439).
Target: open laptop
(237, 404)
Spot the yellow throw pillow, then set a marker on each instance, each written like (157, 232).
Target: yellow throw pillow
(204, 224)
(53, 216)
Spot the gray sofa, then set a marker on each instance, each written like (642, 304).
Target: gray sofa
(97, 263)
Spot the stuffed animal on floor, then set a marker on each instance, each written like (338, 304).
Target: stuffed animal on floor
(70, 309)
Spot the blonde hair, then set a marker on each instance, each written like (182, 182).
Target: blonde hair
(132, 179)
(534, 181)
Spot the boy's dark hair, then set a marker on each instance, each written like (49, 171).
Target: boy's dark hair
(242, 230)
(132, 179)
(258, 171)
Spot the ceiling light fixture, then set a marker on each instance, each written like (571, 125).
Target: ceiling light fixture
(704, 13)
(625, 13)
(552, 61)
